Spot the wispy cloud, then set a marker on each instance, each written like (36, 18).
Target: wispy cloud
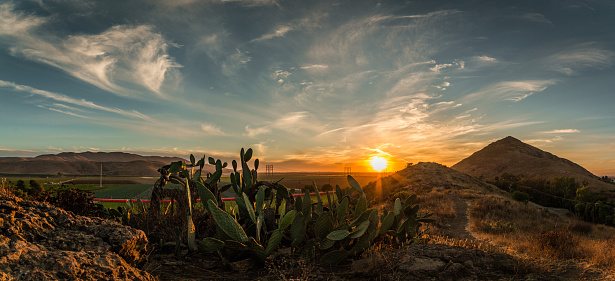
(562, 131)
(254, 132)
(511, 90)
(538, 141)
(536, 17)
(252, 2)
(77, 102)
(290, 122)
(235, 62)
(579, 57)
(315, 67)
(136, 55)
(211, 129)
(15, 23)
(278, 32)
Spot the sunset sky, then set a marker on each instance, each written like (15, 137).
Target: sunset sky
(309, 85)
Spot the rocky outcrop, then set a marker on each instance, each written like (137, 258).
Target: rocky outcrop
(41, 242)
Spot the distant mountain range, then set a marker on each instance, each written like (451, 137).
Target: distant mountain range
(512, 156)
(86, 163)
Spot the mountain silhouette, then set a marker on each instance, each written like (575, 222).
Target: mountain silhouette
(512, 156)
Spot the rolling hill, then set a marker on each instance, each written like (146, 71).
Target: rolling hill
(86, 163)
(423, 177)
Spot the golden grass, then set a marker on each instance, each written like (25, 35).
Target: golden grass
(522, 229)
(439, 203)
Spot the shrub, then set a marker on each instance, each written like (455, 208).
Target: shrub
(327, 187)
(75, 200)
(558, 244)
(520, 196)
(582, 227)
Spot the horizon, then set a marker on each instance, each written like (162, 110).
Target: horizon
(317, 85)
(365, 169)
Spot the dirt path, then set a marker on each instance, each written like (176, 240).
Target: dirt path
(458, 226)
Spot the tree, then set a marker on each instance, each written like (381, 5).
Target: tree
(520, 196)
(21, 185)
(565, 187)
(35, 188)
(327, 187)
(584, 194)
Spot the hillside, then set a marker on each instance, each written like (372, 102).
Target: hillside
(87, 163)
(425, 176)
(512, 156)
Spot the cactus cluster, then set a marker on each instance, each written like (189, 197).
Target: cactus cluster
(345, 226)
(267, 217)
(256, 226)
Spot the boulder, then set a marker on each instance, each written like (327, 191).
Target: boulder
(41, 242)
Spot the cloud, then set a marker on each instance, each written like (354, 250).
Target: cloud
(251, 3)
(280, 75)
(76, 102)
(122, 54)
(67, 112)
(536, 17)
(278, 32)
(17, 24)
(254, 132)
(458, 63)
(578, 57)
(511, 90)
(212, 130)
(235, 62)
(485, 59)
(532, 141)
(562, 131)
(289, 122)
(315, 67)
(262, 147)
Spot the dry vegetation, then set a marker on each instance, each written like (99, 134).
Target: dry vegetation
(534, 233)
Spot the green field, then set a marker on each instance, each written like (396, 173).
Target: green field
(130, 187)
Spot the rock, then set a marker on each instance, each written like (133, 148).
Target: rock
(422, 264)
(41, 242)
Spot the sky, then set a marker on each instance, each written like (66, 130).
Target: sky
(309, 85)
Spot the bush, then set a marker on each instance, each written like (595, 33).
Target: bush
(558, 244)
(582, 227)
(520, 196)
(75, 200)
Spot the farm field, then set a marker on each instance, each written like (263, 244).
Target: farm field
(132, 187)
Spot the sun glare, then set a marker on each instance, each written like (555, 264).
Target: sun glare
(378, 163)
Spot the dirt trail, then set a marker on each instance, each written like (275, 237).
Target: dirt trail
(458, 226)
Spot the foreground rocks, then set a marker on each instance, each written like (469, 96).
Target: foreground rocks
(41, 242)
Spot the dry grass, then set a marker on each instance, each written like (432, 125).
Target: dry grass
(4, 191)
(523, 229)
(437, 202)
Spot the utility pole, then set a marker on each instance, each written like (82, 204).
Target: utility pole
(100, 175)
(347, 171)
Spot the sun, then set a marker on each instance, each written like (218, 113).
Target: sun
(378, 163)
